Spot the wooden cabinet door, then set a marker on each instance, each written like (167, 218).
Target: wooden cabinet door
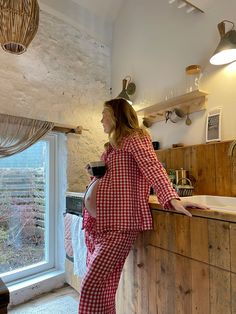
(132, 295)
(176, 285)
(181, 267)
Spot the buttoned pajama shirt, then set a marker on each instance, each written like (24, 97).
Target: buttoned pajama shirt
(122, 212)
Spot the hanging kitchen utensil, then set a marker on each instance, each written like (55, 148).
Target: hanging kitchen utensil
(188, 121)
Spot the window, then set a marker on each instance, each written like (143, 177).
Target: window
(27, 210)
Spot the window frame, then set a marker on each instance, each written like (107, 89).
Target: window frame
(51, 246)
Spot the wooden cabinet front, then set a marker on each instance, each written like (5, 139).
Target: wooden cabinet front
(184, 266)
(212, 171)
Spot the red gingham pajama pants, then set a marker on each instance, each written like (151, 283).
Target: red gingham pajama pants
(107, 253)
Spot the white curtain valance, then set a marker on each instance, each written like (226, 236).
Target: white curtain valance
(17, 133)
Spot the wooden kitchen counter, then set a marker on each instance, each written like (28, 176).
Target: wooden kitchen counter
(225, 215)
(184, 265)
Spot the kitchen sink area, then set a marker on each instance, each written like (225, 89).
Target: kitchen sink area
(225, 203)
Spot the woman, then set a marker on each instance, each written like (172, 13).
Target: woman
(116, 205)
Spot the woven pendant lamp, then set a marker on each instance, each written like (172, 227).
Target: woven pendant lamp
(19, 21)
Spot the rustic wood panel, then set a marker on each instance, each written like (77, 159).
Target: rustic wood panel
(132, 294)
(220, 291)
(181, 267)
(233, 174)
(233, 247)
(176, 284)
(233, 292)
(141, 284)
(177, 158)
(209, 166)
(188, 155)
(219, 245)
(200, 288)
(223, 169)
(203, 169)
(183, 285)
(164, 156)
(161, 275)
(165, 281)
(199, 239)
(206, 240)
(172, 232)
(181, 229)
(163, 235)
(152, 280)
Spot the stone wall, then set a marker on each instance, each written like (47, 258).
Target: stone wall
(63, 77)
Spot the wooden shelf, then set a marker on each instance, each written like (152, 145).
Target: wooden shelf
(189, 102)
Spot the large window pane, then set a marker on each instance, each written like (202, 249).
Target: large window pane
(23, 208)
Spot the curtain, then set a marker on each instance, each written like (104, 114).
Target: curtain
(17, 133)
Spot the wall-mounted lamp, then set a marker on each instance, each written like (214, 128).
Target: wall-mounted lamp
(19, 24)
(226, 49)
(128, 88)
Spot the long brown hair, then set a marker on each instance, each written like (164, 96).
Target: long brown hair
(125, 120)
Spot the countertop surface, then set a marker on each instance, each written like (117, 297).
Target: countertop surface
(225, 215)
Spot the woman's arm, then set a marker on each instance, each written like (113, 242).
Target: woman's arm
(141, 149)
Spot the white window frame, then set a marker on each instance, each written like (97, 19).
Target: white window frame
(51, 220)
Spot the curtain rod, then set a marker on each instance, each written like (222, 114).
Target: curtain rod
(68, 128)
(58, 127)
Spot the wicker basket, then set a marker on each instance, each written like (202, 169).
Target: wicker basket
(184, 190)
(19, 24)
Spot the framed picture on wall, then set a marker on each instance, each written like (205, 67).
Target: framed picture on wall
(213, 125)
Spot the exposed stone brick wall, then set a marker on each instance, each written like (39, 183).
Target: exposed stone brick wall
(63, 77)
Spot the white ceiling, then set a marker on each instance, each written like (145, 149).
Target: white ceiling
(107, 9)
(95, 16)
(98, 16)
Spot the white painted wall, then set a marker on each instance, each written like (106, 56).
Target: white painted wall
(64, 77)
(82, 17)
(154, 42)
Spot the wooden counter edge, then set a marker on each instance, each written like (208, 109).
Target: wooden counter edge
(196, 212)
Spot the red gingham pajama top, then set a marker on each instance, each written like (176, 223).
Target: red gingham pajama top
(123, 192)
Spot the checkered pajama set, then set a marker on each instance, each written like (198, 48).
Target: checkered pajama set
(122, 212)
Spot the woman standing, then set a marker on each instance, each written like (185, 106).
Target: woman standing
(116, 205)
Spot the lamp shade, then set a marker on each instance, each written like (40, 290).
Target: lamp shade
(19, 24)
(128, 88)
(226, 49)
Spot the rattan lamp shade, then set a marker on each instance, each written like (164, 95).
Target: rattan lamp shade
(19, 21)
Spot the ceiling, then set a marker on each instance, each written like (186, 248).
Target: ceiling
(107, 9)
(98, 16)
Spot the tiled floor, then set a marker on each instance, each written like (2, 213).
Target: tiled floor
(45, 298)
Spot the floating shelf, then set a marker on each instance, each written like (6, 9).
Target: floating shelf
(189, 102)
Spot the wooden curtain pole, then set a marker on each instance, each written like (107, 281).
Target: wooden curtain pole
(63, 128)
(68, 129)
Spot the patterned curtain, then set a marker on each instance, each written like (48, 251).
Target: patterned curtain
(17, 133)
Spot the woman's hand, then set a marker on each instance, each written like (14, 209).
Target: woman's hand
(180, 206)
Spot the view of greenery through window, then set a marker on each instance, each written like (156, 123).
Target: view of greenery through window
(22, 208)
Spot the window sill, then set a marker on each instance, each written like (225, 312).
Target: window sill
(24, 290)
